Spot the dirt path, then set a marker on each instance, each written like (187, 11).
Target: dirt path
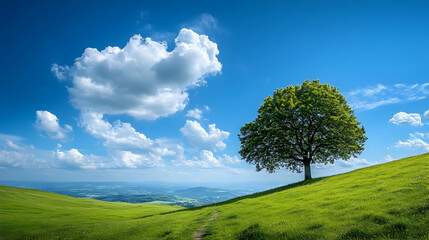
(202, 229)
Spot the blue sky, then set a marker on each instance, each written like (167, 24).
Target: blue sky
(150, 91)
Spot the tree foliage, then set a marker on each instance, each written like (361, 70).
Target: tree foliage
(300, 125)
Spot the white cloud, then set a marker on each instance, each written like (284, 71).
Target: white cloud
(203, 23)
(373, 97)
(74, 159)
(205, 160)
(142, 79)
(120, 136)
(371, 91)
(130, 148)
(199, 137)
(27, 156)
(5, 137)
(402, 118)
(414, 142)
(388, 158)
(354, 162)
(60, 72)
(127, 159)
(195, 113)
(229, 159)
(49, 123)
(12, 145)
(14, 159)
(13, 155)
(426, 114)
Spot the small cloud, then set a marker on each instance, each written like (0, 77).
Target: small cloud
(354, 162)
(368, 92)
(10, 137)
(60, 72)
(426, 114)
(49, 124)
(415, 142)
(402, 118)
(388, 158)
(13, 155)
(194, 113)
(380, 95)
(205, 160)
(203, 23)
(199, 137)
(73, 158)
(10, 144)
(68, 127)
(121, 136)
(127, 159)
(231, 160)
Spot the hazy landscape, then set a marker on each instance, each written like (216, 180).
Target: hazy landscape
(169, 194)
(214, 120)
(387, 201)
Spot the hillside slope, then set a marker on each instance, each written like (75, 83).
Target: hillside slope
(28, 212)
(385, 201)
(389, 200)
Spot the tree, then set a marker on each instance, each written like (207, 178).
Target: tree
(302, 125)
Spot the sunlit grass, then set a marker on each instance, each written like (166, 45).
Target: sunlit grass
(385, 201)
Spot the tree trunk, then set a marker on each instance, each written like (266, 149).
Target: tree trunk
(307, 170)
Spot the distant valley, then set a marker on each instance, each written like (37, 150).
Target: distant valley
(180, 195)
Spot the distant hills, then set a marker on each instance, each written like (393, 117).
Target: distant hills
(136, 192)
(386, 201)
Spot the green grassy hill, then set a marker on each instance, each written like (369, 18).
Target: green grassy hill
(387, 201)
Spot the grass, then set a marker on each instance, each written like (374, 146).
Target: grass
(28, 212)
(387, 201)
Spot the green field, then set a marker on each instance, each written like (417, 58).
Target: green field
(386, 201)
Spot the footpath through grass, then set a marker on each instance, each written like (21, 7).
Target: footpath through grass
(380, 202)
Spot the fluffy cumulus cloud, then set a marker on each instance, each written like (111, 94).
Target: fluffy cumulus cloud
(373, 97)
(415, 142)
(17, 155)
(121, 136)
(127, 159)
(49, 124)
(74, 159)
(206, 159)
(143, 79)
(402, 118)
(199, 137)
(195, 113)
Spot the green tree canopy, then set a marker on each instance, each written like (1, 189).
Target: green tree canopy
(300, 125)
